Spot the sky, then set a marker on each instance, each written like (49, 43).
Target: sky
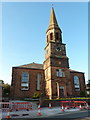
(24, 26)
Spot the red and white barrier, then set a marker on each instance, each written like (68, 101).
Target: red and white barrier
(66, 108)
(63, 109)
(80, 107)
(22, 106)
(50, 106)
(5, 106)
(8, 116)
(15, 106)
(39, 113)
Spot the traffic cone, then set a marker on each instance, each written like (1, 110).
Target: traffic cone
(8, 116)
(80, 107)
(87, 106)
(63, 109)
(39, 113)
(66, 108)
(31, 107)
(49, 105)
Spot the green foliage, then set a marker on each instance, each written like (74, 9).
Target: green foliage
(36, 95)
(82, 93)
(6, 89)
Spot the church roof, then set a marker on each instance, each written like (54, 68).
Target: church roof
(32, 65)
(75, 71)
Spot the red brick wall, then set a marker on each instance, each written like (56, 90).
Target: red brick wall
(16, 91)
(82, 82)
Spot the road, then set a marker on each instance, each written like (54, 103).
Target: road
(78, 115)
(75, 115)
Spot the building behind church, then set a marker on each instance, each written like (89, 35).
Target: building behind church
(53, 78)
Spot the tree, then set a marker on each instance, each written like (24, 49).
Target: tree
(6, 90)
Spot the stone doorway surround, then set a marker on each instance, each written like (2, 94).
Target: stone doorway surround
(63, 89)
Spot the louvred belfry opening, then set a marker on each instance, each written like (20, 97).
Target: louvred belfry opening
(56, 34)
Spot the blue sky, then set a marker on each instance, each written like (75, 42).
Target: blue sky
(24, 28)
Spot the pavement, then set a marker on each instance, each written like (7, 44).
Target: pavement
(45, 112)
(87, 118)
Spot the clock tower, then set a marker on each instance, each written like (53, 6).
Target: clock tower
(56, 63)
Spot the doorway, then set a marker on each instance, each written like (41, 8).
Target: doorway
(61, 91)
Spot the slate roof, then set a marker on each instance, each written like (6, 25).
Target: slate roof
(32, 65)
(75, 71)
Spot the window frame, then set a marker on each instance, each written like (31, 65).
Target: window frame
(38, 84)
(76, 82)
(60, 73)
(25, 80)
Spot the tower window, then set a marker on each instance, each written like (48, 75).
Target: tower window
(76, 83)
(51, 36)
(60, 73)
(38, 81)
(25, 81)
(56, 36)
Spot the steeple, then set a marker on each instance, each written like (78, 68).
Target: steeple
(53, 21)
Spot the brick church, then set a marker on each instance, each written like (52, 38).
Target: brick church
(54, 78)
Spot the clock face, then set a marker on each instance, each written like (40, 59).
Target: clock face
(59, 48)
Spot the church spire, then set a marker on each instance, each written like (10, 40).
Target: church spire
(53, 21)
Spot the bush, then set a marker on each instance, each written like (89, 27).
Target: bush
(82, 93)
(36, 95)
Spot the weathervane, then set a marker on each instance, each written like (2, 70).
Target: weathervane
(52, 5)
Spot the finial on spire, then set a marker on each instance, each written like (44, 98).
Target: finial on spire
(52, 5)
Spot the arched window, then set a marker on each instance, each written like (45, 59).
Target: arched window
(56, 36)
(25, 81)
(51, 36)
(38, 81)
(76, 83)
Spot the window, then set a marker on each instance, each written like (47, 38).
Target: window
(76, 83)
(56, 36)
(38, 81)
(25, 81)
(51, 36)
(60, 73)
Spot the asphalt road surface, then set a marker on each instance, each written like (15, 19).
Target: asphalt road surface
(78, 115)
(75, 115)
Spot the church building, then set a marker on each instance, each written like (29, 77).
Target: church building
(54, 78)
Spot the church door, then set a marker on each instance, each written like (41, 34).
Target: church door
(61, 91)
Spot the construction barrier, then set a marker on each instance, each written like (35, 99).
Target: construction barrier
(5, 106)
(39, 113)
(8, 115)
(49, 105)
(73, 104)
(22, 106)
(80, 107)
(63, 109)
